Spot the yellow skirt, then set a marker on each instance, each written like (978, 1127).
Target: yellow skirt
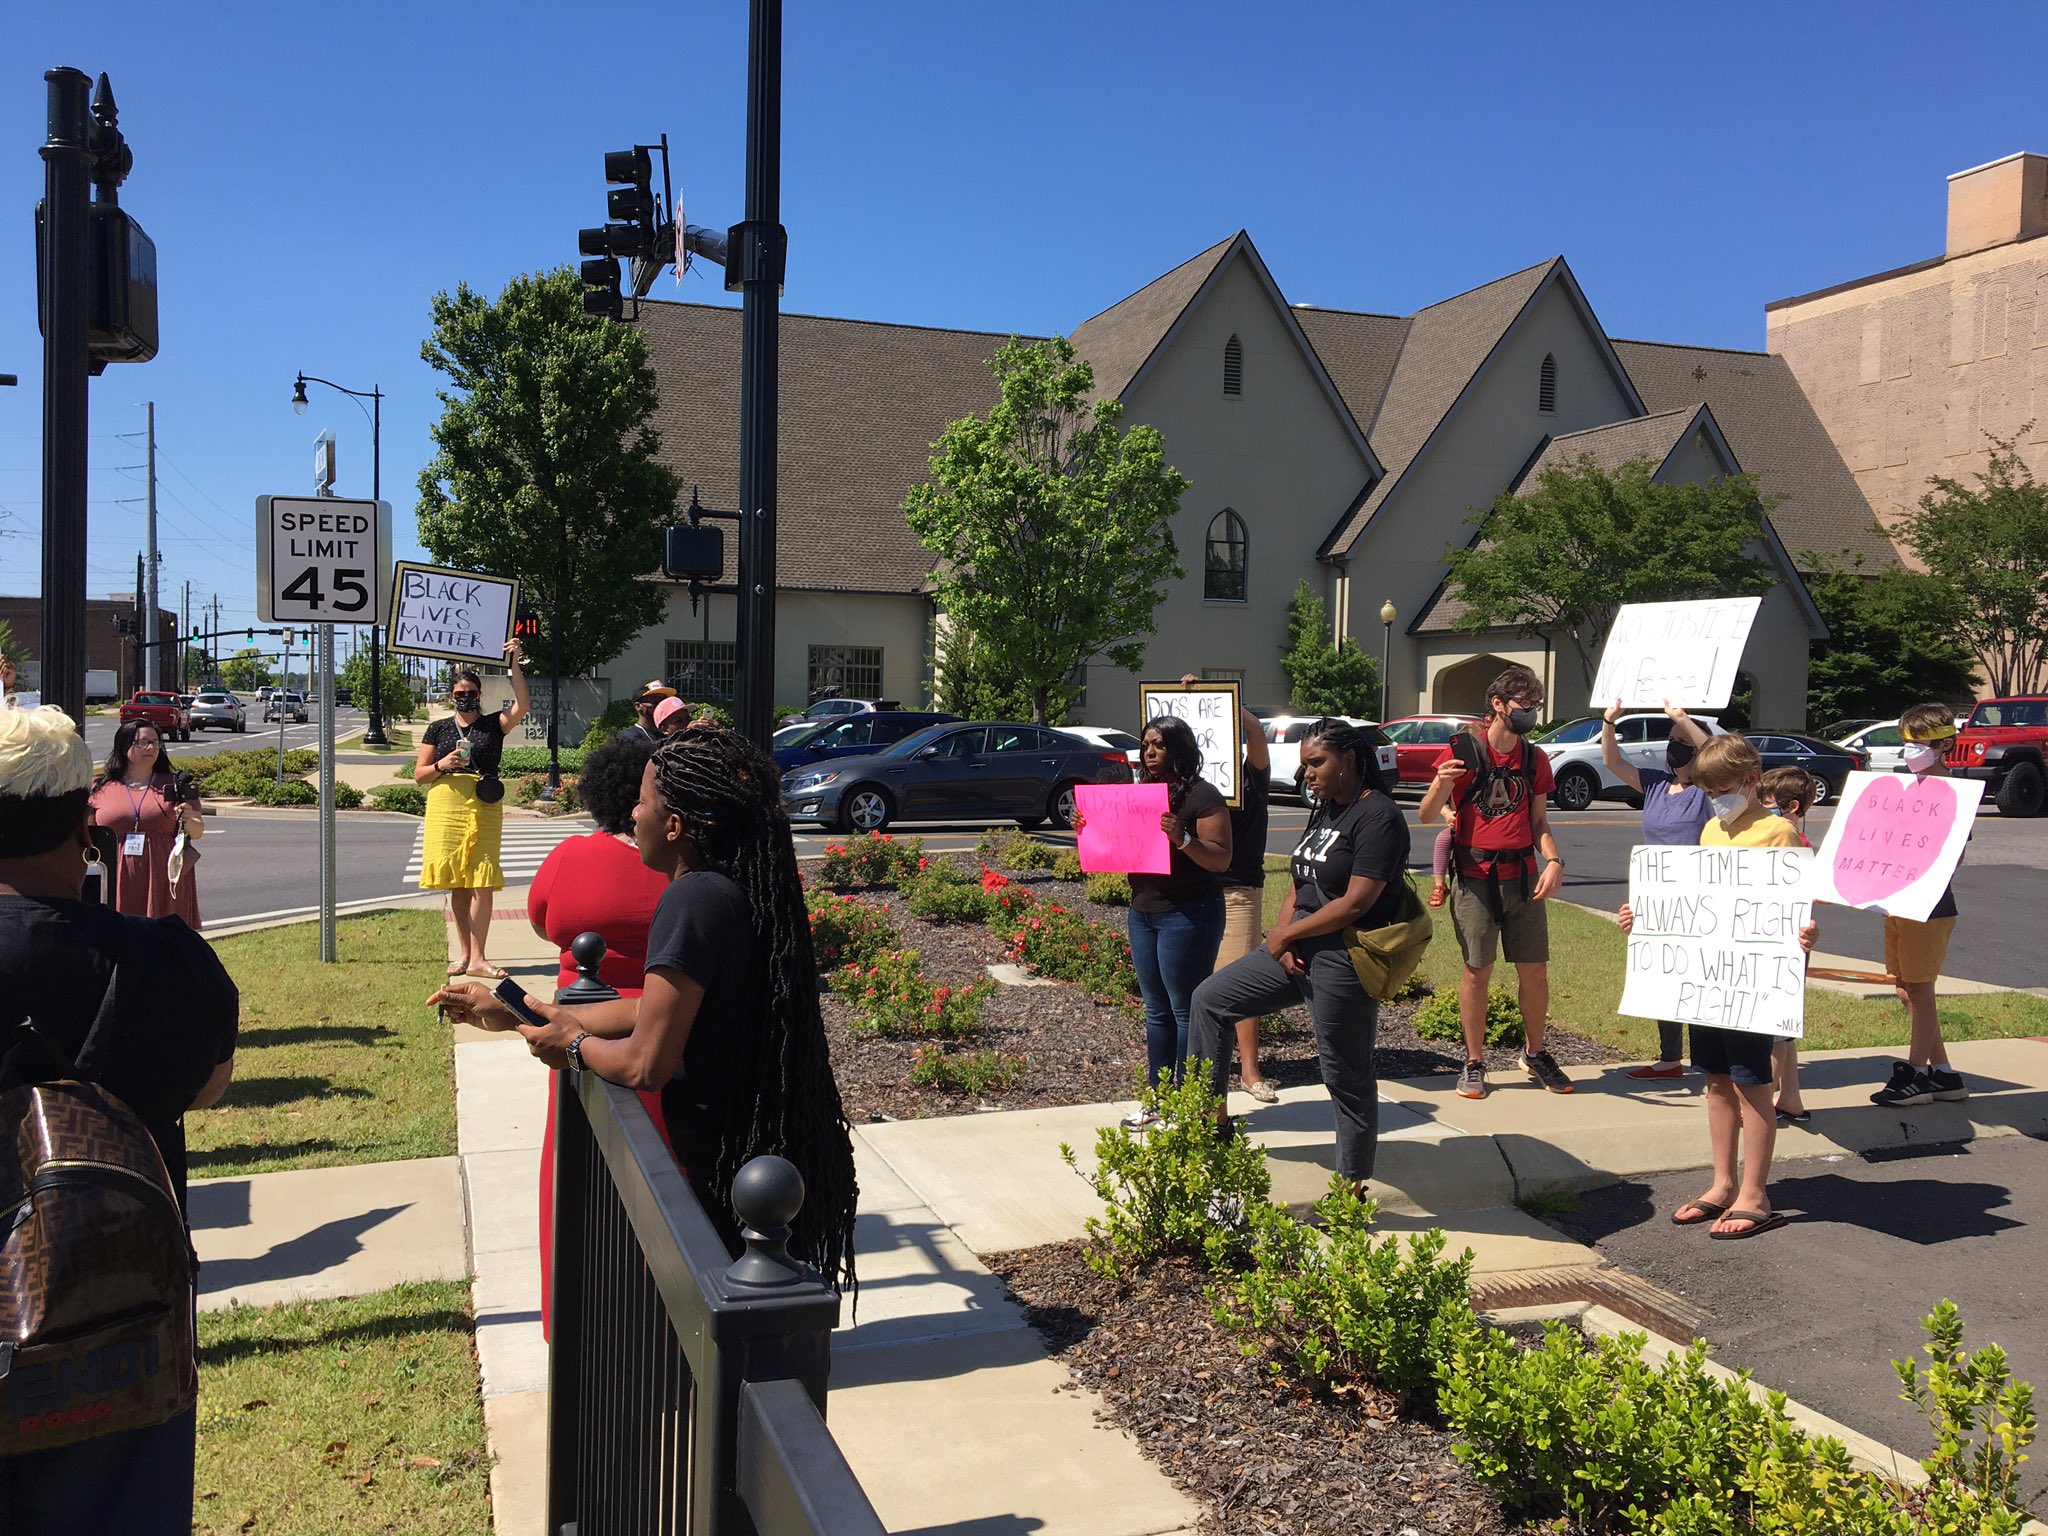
(463, 837)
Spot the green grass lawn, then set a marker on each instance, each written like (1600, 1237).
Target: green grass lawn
(1585, 985)
(361, 1415)
(337, 1063)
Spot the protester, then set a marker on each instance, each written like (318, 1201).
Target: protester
(1787, 792)
(1499, 785)
(728, 1027)
(458, 764)
(670, 716)
(8, 693)
(645, 702)
(1674, 810)
(143, 806)
(1176, 919)
(1741, 1125)
(1347, 871)
(164, 1044)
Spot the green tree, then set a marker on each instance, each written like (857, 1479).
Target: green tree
(1323, 679)
(1053, 526)
(10, 647)
(1891, 642)
(545, 464)
(245, 671)
(199, 666)
(1988, 545)
(354, 675)
(1564, 556)
(965, 684)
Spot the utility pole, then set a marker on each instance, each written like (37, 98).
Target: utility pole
(185, 645)
(153, 665)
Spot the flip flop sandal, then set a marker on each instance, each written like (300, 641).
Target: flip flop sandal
(1760, 1222)
(1438, 896)
(490, 971)
(1786, 1117)
(1708, 1212)
(456, 970)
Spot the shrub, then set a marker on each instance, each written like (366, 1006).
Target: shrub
(347, 797)
(1178, 1188)
(1058, 943)
(290, 792)
(1963, 1397)
(940, 893)
(846, 931)
(1342, 1308)
(890, 996)
(876, 859)
(1437, 1019)
(964, 1072)
(407, 799)
(1016, 850)
(518, 760)
(611, 720)
(1066, 865)
(1107, 887)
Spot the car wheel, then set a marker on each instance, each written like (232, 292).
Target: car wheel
(241, 726)
(865, 809)
(1575, 789)
(1823, 791)
(2021, 793)
(1062, 808)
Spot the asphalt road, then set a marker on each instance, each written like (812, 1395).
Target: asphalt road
(1821, 1307)
(267, 864)
(99, 734)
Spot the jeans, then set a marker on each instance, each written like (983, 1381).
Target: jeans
(1346, 1024)
(1173, 951)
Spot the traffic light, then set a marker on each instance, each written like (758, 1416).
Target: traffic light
(629, 203)
(601, 287)
(249, 636)
(526, 624)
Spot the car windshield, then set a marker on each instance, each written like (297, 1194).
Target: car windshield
(797, 735)
(916, 742)
(2010, 712)
(1402, 730)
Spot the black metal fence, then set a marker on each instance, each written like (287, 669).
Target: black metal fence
(688, 1387)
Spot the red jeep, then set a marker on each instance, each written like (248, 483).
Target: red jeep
(2005, 745)
(160, 710)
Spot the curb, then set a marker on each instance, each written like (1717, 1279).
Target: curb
(232, 928)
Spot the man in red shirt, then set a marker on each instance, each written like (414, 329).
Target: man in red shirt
(1499, 784)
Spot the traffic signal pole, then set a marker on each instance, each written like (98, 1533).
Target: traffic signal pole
(67, 176)
(760, 259)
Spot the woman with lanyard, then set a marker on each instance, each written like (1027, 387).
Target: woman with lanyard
(458, 766)
(142, 809)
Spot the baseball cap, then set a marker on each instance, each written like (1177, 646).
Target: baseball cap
(654, 688)
(667, 708)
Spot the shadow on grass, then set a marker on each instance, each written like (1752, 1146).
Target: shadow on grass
(214, 1161)
(254, 1343)
(262, 1036)
(265, 1092)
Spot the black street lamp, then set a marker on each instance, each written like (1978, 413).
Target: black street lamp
(373, 731)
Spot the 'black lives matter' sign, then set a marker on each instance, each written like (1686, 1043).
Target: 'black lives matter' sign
(459, 615)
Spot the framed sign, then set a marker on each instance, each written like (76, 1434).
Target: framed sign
(455, 615)
(1212, 713)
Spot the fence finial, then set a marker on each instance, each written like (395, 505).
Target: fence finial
(587, 950)
(766, 1195)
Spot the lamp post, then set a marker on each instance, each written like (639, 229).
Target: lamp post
(1387, 617)
(373, 730)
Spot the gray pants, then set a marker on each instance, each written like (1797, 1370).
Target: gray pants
(1345, 1019)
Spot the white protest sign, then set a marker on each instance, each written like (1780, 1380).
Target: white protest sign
(1685, 652)
(1895, 842)
(1716, 937)
(1211, 712)
(457, 614)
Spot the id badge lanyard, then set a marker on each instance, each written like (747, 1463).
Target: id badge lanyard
(134, 845)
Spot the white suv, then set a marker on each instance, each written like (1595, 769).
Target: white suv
(1574, 752)
(1283, 745)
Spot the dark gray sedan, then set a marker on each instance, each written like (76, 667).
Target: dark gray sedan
(1003, 771)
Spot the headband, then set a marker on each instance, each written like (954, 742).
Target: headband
(1931, 734)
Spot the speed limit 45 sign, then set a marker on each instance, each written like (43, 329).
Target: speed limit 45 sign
(322, 560)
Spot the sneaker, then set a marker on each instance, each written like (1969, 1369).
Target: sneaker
(1656, 1071)
(1143, 1120)
(1947, 1084)
(1908, 1086)
(1472, 1080)
(1541, 1066)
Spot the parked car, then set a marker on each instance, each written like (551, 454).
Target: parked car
(855, 735)
(1829, 764)
(1879, 741)
(2004, 743)
(1574, 752)
(281, 705)
(1284, 735)
(999, 771)
(1837, 730)
(1109, 736)
(160, 710)
(263, 694)
(829, 709)
(216, 707)
(1420, 742)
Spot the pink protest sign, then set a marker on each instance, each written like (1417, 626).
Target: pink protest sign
(1120, 828)
(1895, 842)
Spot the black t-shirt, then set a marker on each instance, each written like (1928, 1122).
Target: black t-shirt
(1368, 837)
(175, 1015)
(1248, 828)
(486, 741)
(1186, 880)
(701, 928)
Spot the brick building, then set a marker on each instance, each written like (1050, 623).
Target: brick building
(106, 648)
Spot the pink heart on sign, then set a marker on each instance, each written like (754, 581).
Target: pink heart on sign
(1892, 832)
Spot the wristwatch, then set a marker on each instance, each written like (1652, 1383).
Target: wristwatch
(576, 1052)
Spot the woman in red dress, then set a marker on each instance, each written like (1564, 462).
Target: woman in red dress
(596, 884)
(144, 805)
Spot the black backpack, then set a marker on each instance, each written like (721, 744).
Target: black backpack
(1476, 757)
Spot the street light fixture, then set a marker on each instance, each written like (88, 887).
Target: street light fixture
(1387, 617)
(373, 729)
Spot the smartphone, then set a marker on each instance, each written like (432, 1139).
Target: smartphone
(513, 996)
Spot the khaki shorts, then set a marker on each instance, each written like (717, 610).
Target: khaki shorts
(1522, 932)
(1243, 925)
(1915, 951)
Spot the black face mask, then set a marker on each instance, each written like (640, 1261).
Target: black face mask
(1521, 721)
(1678, 754)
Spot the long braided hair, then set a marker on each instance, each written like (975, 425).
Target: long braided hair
(785, 1099)
(1183, 757)
(1341, 736)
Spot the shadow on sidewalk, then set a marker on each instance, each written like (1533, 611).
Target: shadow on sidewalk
(987, 1525)
(311, 1253)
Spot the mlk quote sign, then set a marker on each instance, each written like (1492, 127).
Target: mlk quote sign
(455, 614)
(1687, 653)
(1716, 937)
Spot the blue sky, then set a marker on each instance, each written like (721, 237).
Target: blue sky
(313, 175)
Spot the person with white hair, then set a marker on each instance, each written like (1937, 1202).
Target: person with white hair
(141, 1008)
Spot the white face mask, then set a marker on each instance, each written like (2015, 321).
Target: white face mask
(1729, 806)
(1920, 756)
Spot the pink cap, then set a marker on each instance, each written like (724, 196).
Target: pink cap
(665, 709)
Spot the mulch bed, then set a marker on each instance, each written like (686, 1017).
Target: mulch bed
(1256, 1452)
(1075, 1050)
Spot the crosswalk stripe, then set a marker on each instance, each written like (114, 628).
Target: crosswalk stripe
(520, 852)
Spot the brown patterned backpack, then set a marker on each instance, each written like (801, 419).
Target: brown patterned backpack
(96, 1270)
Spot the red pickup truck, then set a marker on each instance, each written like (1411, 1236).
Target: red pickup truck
(160, 710)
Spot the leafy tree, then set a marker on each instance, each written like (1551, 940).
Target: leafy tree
(1564, 556)
(245, 671)
(10, 647)
(397, 702)
(1891, 642)
(1053, 526)
(545, 468)
(1989, 547)
(199, 667)
(1323, 679)
(965, 684)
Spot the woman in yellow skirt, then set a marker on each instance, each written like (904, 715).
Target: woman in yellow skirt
(458, 766)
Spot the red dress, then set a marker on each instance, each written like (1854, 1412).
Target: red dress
(142, 886)
(594, 883)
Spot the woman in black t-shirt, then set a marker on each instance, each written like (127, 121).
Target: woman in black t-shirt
(1176, 919)
(1347, 870)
